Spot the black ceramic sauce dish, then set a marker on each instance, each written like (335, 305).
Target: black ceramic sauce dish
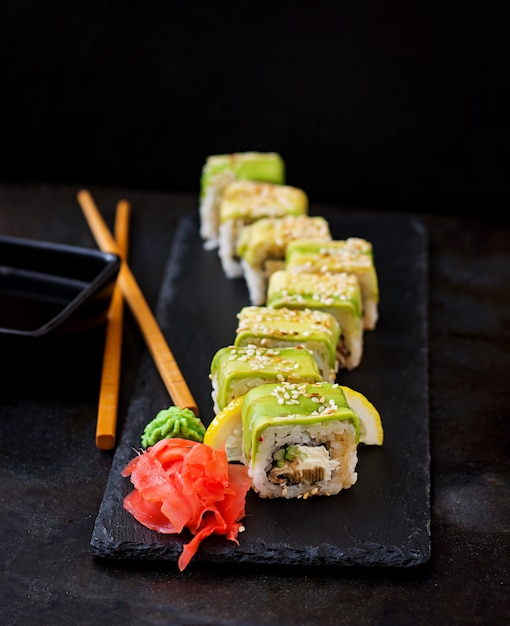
(54, 301)
(49, 289)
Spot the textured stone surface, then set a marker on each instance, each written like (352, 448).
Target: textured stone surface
(384, 519)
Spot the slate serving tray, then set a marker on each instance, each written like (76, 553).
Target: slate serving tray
(384, 519)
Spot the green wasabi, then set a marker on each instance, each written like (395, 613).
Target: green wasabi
(173, 422)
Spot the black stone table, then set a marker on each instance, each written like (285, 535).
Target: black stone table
(53, 477)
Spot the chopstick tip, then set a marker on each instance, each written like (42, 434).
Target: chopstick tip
(105, 442)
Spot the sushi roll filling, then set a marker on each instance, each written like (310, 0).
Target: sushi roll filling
(296, 464)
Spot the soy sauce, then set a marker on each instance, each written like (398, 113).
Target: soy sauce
(29, 300)
(26, 312)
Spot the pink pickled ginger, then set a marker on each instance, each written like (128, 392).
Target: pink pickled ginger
(179, 483)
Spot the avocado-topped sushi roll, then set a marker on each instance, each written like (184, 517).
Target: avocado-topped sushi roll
(245, 201)
(336, 294)
(353, 255)
(299, 440)
(236, 370)
(316, 331)
(262, 247)
(221, 169)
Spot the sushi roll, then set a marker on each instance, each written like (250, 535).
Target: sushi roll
(316, 331)
(221, 169)
(245, 201)
(353, 255)
(299, 440)
(236, 370)
(262, 247)
(336, 294)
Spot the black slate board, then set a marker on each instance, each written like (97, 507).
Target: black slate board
(384, 519)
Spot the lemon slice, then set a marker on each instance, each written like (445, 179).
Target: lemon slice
(371, 430)
(226, 430)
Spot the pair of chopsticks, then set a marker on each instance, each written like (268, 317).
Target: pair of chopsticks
(128, 288)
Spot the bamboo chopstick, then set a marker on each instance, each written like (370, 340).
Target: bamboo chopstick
(154, 338)
(110, 377)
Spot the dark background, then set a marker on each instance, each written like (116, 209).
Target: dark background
(375, 104)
